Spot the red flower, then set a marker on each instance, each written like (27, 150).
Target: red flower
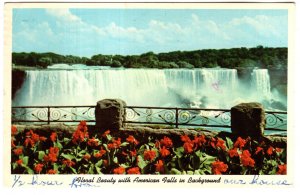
(51, 171)
(68, 163)
(53, 136)
(100, 153)
(106, 133)
(28, 141)
(199, 141)
(134, 170)
(38, 168)
(81, 133)
(14, 130)
(157, 144)
(159, 166)
(166, 141)
(19, 162)
(87, 157)
(239, 143)
(18, 151)
(246, 159)
(188, 147)
(105, 163)
(281, 169)
(124, 153)
(35, 137)
(270, 150)
(52, 155)
(164, 152)
(149, 155)
(221, 144)
(93, 142)
(278, 150)
(42, 138)
(212, 142)
(132, 153)
(132, 140)
(219, 167)
(233, 152)
(185, 138)
(115, 144)
(13, 143)
(258, 150)
(119, 170)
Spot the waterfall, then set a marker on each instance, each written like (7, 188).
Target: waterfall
(261, 82)
(213, 88)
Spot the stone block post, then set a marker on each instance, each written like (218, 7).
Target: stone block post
(110, 115)
(248, 119)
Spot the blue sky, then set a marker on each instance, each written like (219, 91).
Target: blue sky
(86, 32)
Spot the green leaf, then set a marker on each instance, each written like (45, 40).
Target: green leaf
(179, 152)
(29, 171)
(109, 137)
(15, 165)
(175, 171)
(151, 144)
(25, 160)
(73, 170)
(91, 169)
(124, 165)
(190, 172)
(41, 155)
(124, 144)
(116, 160)
(58, 144)
(68, 156)
(99, 163)
(141, 163)
(66, 140)
(229, 143)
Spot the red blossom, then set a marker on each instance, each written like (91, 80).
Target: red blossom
(270, 150)
(86, 157)
(18, 151)
(81, 133)
(185, 138)
(159, 166)
(106, 133)
(28, 141)
(278, 150)
(149, 155)
(93, 142)
(51, 171)
(52, 155)
(258, 150)
(239, 143)
(167, 142)
(212, 142)
(221, 144)
(19, 162)
(53, 136)
(132, 140)
(164, 152)
(281, 169)
(132, 153)
(200, 140)
(14, 130)
(219, 167)
(188, 147)
(31, 138)
(100, 153)
(233, 152)
(42, 138)
(68, 163)
(246, 159)
(105, 163)
(82, 123)
(116, 143)
(13, 143)
(38, 168)
(119, 170)
(134, 170)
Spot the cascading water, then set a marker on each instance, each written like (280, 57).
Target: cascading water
(261, 82)
(211, 88)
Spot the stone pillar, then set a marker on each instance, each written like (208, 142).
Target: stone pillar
(110, 114)
(248, 119)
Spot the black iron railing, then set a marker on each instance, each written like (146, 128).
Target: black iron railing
(170, 116)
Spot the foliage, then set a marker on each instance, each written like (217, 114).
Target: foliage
(262, 57)
(107, 154)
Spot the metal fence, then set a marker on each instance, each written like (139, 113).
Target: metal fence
(170, 116)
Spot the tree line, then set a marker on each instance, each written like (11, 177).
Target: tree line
(262, 57)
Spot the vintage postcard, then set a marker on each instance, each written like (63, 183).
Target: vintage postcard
(99, 95)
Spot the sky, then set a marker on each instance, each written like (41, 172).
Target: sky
(87, 32)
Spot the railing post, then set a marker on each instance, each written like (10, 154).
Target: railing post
(176, 115)
(48, 115)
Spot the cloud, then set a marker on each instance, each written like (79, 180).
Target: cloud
(63, 14)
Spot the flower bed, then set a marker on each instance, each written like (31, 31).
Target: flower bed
(79, 153)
